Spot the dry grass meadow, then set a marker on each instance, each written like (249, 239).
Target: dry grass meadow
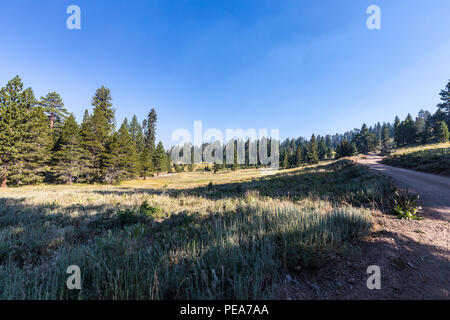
(432, 146)
(188, 235)
(431, 158)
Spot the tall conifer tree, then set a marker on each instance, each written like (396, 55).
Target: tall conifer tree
(24, 136)
(53, 107)
(70, 160)
(160, 160)
(102, 103)
(299, 156)
(312, 153)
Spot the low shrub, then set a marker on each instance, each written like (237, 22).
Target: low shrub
(405, 205)
(138, 214)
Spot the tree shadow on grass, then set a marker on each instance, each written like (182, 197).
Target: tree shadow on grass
(235, 254)
(410, 270)
(341, 182)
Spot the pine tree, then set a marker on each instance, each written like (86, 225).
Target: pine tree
(329, 153)
(442, 133)
(409, 130)
(438, 117)
(345, 149)
(24, 136)
(445, 105)
(299, 156)
(427, 132)
(328, 141)
(322, 148)
(145, 163)
(169, 164)
(120, 159)
(378, 130)
(312, 153)
(96, 131)
(385, 134)
(102, 104)
(150, 130)
(149, 127)
(397, 135)
(159, 158)
(127, 154)
(285, 163)
(354, 149)
(366, 141)
(110, 169)
(136, 133)
(53, 107)
(94, 136)
(70, 160)
(421, 123)
(13, 100)
(34, 150)
(386, 147)
(91, 148)
(126, 125)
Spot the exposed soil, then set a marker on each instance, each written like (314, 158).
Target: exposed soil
(434, 190)
(414, 256)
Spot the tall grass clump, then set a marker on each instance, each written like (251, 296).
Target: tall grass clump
(237, 253)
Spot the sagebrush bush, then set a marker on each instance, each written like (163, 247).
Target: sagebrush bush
(225, 241)
(235, 254)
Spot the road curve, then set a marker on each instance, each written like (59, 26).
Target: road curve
(434, 190)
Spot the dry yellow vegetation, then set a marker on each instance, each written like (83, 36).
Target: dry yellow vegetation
(433, 146)
(188, 235)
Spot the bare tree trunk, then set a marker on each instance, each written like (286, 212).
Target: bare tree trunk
(4, 176)
(52, 120)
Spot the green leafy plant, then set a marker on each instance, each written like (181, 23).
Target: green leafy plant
(405, 205)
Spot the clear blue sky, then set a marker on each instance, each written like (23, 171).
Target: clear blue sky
(300, 66)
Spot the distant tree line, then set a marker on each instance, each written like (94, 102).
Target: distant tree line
(425, 128)
(40, 141)
(246, 154)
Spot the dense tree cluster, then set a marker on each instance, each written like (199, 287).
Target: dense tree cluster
(295, 152)
(246, 154)
(40, 141)
(425, 128)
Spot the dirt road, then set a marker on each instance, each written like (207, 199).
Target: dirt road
(434, 190)
(413, 256)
